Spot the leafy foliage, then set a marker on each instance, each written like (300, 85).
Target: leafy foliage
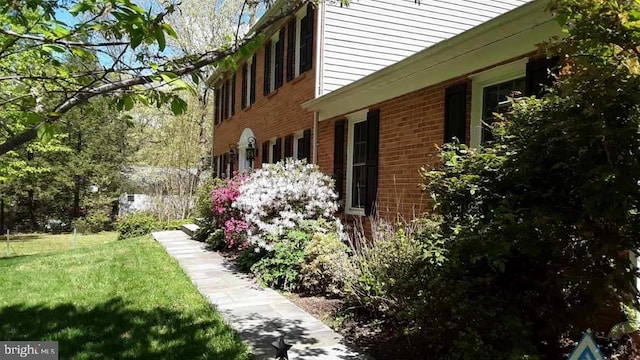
(536, 224)
(137, 224)
(384, 274)
(281, 267)
(324, 257)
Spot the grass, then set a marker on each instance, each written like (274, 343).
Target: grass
(120, 300)
(29, 244)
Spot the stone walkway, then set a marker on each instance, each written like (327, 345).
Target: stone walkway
(259, 315)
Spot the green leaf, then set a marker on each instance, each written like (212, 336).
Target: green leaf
(160, 38)
(169, 30)
(54, 48)
(45, 133)
(33, 118)
(78, 8)
(178, 106)
(128, 102)
(136, 38)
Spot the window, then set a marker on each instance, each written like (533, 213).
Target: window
(359, 165)
(131, 197)
(291, 48)
(493, 101)
(304, 54)
(225, 100)
(249, 82)
(488, 89)
(362, 162)
(274, 62)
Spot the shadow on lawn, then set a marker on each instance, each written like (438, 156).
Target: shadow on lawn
(112, 331)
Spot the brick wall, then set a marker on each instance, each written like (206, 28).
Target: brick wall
(411, 126)
(275, 115)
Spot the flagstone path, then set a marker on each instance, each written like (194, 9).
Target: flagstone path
(259, 315)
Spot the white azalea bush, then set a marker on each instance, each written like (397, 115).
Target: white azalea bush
(279, 197)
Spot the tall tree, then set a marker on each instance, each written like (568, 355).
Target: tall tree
(128, 42)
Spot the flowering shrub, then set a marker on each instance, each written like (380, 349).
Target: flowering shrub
(227, 216)
(280, 196)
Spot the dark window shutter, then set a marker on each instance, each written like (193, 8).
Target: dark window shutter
(338, 158)
(265, 152)
(288, 146)
(243, 101)
(306, 40)
(455, 113)
(291, 49)
(279, 66)
(266, 86)
(216, 110)
(539, 76)
(233, 96)
(223, 98)
(225, 160)
(277, 150)
(227, 93)
(306, 135)
(373, 136)
(252, 89)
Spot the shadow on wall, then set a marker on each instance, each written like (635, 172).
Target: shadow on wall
(112, 330)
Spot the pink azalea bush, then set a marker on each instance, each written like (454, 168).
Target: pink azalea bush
(227, 217)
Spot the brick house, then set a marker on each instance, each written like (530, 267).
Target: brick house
(375, 134)
(313, 54)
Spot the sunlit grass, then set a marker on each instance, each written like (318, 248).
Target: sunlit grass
(120, 300)
(29, 244)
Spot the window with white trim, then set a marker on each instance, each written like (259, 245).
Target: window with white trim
(272, 150)
(298, 145)
(489, 90)
(356, 163)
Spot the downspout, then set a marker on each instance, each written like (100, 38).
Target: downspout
(319, 75)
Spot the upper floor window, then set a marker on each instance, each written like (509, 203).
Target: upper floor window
(304, 55)
(249, 82)
(225, 100)
(274, 62)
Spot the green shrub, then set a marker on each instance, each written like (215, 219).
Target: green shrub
(203, 197)
(95, 222)
(249, 257)
(137, 224)
(325, 257)
(280, 269)
(384, 276)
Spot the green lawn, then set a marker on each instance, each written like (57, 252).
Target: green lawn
(119, 300)
(29, 244)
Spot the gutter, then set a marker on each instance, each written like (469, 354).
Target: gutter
(319, 82)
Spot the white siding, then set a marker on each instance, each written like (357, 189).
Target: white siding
(372, 34)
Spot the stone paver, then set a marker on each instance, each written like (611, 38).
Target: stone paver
(259, 315)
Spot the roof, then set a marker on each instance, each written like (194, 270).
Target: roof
(505, 37)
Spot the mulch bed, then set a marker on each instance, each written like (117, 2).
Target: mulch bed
(377, 339)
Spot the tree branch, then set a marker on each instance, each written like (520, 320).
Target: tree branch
(79, 97)
(61, 42)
